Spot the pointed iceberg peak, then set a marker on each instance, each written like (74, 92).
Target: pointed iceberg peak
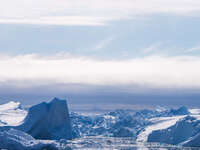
(180, 111)
(56, 100)
(48, 121)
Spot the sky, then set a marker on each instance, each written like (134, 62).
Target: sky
(109, 51)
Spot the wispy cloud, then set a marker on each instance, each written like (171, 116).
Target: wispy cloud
(57, 20)
(193, 49)
(152, 48)
(90, 12)
(104, 43)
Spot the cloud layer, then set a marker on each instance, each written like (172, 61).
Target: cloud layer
(90, 12)
(153, 71)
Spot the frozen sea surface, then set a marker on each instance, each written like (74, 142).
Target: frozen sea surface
(104, 143)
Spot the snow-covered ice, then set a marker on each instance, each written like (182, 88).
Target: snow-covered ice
(195, 111)
(11, 114)
(158, 124)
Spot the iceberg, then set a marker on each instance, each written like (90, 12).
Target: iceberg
(48, 121)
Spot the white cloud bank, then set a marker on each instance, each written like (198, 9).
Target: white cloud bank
(89, 12)
(153, 72)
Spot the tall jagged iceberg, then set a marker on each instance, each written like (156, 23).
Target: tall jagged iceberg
(48, 121)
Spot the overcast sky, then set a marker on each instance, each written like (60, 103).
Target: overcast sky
(100, 51)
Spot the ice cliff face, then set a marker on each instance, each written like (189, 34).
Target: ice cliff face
(193, 141)
(48, 121)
